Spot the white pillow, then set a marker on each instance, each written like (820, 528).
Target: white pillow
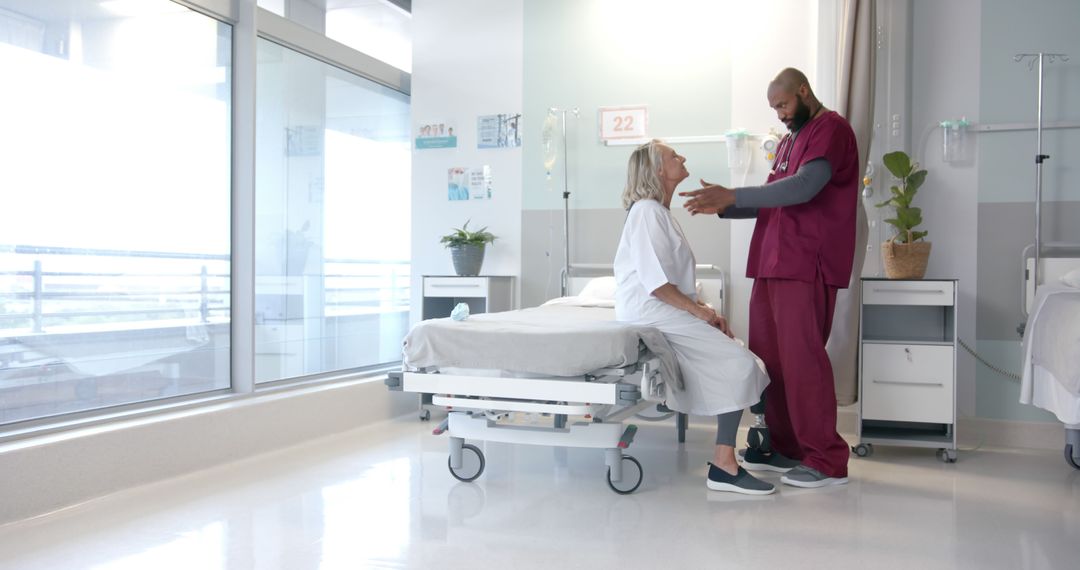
(599, 288)
(1072, 278)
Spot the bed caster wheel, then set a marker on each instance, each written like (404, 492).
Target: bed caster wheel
(425, 415)
(1070, 457)
(863, 450)
(947, 455)
(622, 487)
(463, 473)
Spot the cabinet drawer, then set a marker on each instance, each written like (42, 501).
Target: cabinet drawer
(455, 287)
(908, 292)
(907, 383)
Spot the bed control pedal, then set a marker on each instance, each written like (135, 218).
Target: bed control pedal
(393, 381)
(441, 427)
(627, 436)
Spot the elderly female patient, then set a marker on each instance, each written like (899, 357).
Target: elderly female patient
(654, 271)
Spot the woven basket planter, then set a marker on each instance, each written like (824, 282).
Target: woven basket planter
(905, 260)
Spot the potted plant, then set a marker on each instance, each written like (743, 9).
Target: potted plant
(905, 254)
(467, 248)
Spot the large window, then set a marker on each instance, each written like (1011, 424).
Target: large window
(114, 204)
(332, 218)
(379, 28)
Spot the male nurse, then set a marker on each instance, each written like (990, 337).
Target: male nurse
(801, 253)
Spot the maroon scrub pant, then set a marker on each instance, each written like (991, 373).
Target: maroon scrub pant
(789, 324)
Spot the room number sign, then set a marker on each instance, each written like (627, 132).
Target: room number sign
(627, 122)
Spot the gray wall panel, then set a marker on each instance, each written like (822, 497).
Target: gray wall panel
(1004, 230)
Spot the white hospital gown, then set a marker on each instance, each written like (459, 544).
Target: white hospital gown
(719, 375)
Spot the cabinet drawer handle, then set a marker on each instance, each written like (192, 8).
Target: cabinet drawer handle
(463, 286)
(903, 383)
(895, 290)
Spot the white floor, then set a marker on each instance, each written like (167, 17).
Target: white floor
(381, 497)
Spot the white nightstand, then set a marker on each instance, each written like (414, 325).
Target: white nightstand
(483, 294)
(907, 365)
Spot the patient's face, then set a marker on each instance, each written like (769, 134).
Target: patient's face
(672, 165)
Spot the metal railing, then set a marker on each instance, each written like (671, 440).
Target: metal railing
(45, 287)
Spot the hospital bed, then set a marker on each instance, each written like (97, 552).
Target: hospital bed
(567, 359)
(1051, 347)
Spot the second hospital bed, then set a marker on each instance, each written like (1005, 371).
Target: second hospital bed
(1051, 352)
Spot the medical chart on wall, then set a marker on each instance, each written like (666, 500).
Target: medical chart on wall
(436, 134)
(469, 183)
(498, 131)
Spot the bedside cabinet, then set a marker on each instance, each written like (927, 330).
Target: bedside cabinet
(907, 365)
(483, 294)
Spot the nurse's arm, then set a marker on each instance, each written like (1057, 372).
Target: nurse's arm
(798, 188)
(671, 295)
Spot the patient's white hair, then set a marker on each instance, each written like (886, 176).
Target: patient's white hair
(643, 174)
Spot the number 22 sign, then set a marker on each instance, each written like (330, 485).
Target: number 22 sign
(628, 122)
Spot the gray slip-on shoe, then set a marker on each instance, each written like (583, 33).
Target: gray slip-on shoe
(810, 478)
(755, 460)
(742, 482)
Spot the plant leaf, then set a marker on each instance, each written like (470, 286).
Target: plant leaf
(918, 235)
(898, 163)
(916, 180)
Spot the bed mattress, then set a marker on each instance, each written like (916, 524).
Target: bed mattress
(557, 339)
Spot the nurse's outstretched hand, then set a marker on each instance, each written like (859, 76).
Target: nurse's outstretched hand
(709, 199)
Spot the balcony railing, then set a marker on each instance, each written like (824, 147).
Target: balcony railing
(54, 288)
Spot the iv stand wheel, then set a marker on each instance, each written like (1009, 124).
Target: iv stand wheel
(947, 455)
(863, 450)
(425, 415)
(622, 487)
(1070, 457)
(460, 473)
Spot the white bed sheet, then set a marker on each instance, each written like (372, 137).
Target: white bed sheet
(1051, 348)
(567, 338)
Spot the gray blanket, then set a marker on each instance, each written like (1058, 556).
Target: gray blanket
(557, 340)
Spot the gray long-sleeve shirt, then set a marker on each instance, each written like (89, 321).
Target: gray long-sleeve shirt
(798, 188)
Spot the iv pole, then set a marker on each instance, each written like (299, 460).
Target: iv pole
(566, 200)
(1037, 59)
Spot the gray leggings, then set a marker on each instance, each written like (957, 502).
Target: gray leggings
(727, 427)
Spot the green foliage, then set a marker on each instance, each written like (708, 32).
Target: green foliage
(462, 236)
(910, 177)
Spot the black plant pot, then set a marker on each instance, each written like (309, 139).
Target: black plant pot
(467, 259)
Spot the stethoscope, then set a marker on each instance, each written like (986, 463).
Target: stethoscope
(783, 154)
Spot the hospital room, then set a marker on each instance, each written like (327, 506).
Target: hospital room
(320, 284)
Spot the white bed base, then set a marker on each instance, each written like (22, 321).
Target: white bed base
(480, 408)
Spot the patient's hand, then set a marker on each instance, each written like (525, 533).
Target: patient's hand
(709, 199)
(710, 316)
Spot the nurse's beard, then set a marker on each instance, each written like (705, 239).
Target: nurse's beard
(802, 115)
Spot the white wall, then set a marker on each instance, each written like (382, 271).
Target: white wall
(945, 79)
(467, 61)
(796, 23)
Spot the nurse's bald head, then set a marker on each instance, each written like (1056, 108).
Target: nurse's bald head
(790, 80)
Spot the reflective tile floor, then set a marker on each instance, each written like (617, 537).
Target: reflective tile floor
(381, 497)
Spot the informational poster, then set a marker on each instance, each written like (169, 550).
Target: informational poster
(436, 134)
(498, 131)
(469, 183)
(626, 122)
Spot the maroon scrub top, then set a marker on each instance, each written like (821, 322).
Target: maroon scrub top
(794, 242)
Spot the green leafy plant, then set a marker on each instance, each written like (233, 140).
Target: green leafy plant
(907, 216)
(462, 236)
